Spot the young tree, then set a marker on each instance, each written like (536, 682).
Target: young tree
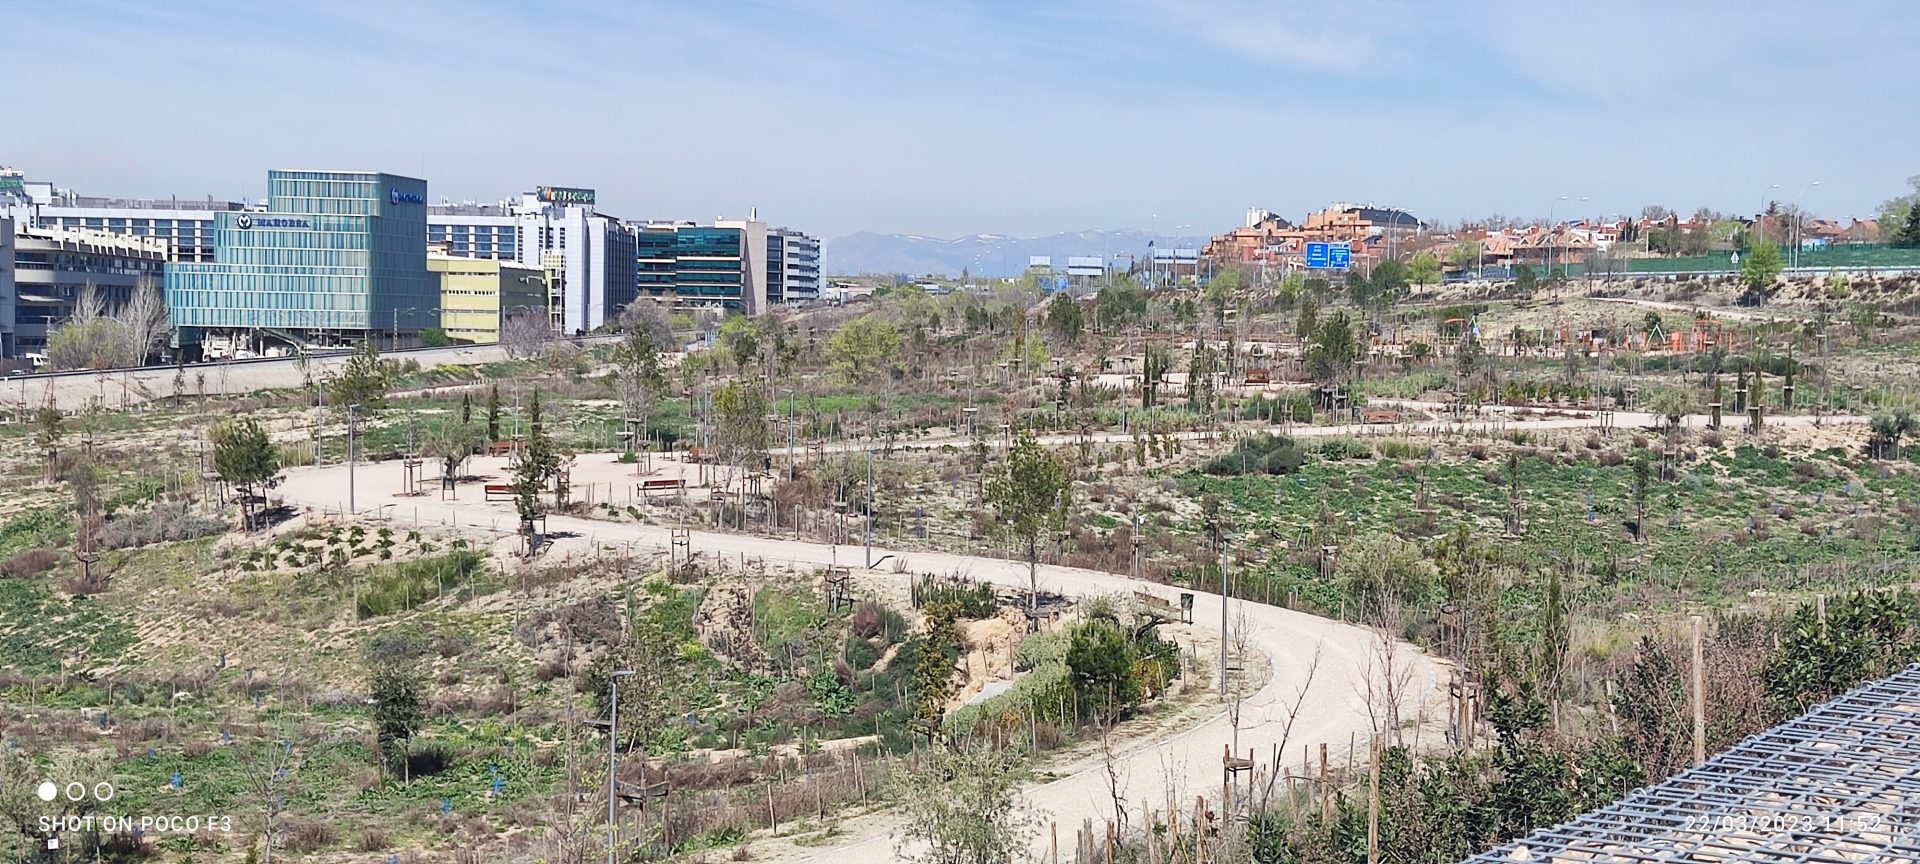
(466, 407)
(1524, 278)
(272, 771)
(1334, 349)
(740, 425)
(1309, 318)
(1030, 494)
(1465, 254)
(1642, 482)
(964, 805)
(1064, 319)
(535, 463)
(362, 381)
(450, 445)
(1909, 233)
(48, 428)
(1389, 279)
(740, 340)
(636, 363)
(493, 412)
(246, 458)
(1424, 269)
(398, 713)
(861, 349)
(1154, 366)
(1760, 267)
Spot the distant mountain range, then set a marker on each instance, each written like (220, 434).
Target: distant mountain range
(983, 254)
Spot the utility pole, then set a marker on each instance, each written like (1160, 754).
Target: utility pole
(353, 463)
(613, 746)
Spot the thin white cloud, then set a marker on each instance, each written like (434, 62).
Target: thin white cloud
(1320, 35)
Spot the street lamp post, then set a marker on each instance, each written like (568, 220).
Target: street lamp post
(1551, 236)
(613, 746)
(1799, 219)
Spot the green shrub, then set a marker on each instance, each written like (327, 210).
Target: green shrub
(1336, 449)
(1257, 454)
(968, 598)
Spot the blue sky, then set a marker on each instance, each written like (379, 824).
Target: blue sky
(962, 117)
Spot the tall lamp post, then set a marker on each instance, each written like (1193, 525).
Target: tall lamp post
(1799, 220)
(1550, 234)
(613, 746)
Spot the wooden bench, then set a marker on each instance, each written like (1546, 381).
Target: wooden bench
(674, 485)
(500, 491)
(1379, 415)
(500, 448)
(1157, 604)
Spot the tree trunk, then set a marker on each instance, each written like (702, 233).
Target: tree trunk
(1033, 579)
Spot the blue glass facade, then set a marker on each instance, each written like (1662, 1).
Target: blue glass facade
(334, 251)
(697, 264)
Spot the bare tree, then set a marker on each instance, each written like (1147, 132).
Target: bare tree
(1116, 779)
(1291, 710)
(1389, 672)
(271, 770)
(525, 335)
(145, 317)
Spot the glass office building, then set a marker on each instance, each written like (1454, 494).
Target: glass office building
(336, 255)
(742, 265)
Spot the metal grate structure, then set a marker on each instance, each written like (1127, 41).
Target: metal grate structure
(1837, 785)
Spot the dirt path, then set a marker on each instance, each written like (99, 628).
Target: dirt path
(1334, 658)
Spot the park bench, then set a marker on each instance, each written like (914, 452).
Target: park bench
(1157, 604)
(674, 485)
(1380, 415)
(499, 491)
(500, 448)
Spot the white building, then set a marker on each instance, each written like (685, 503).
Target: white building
(595, 263)
(185, 225)
(799, 265)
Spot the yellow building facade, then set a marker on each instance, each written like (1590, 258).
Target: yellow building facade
(477, 295)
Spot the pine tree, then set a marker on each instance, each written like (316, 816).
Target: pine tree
(493, 413)
(1909, 234)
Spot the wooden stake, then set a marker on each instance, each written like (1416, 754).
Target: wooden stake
(1326, 803)
(1373, 803)
(1199, 832)
(1056, 843)
(1699, 696)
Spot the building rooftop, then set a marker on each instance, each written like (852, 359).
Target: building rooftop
(144, 203)
(1837, 785)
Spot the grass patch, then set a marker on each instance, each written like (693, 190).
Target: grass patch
(406, 585)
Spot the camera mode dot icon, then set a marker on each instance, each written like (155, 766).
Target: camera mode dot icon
(48, 791)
